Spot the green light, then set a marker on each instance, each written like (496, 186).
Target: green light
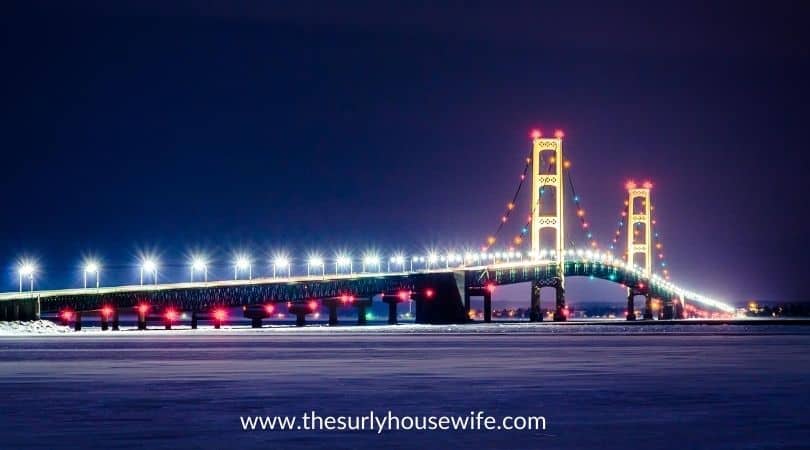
(369, 316)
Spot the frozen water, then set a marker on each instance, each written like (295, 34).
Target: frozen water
(610, 386)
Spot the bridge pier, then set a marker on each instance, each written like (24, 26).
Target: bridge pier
(535, 312)
(194, 319)
(256, 313)
(668, 309)
(105, 324)
(631, 308)
(648, 310)
(116, 322)
(77, 324)
(332, 305)
(560, 312)
(393, 300)
(301, 310)
(362, 304)
(141, 318)
(487, 306)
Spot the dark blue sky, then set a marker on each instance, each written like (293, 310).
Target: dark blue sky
(174, 125)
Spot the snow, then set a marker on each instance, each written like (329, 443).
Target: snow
(33, 327)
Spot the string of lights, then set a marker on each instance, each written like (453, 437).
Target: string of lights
(580, 211)
(509, 206)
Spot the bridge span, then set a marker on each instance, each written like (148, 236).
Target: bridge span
(440, 295)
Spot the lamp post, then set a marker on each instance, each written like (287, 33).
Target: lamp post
(92, 267)
(149, 265)
(241, 264)
(27, 270)
(199, 264)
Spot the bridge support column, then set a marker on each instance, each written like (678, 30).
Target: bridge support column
(116, 322)
(256, 313)
(77, 325)
(560, 313)
(332, 305)
(631, 308)
(393, 300)
(668, 309)
(194, 319)
(648, 311)
(467, 303)
(535, 313)
(141, 319)
(300, 310)
(362, 304)
(105, 324)
(256, 322)
(487, 306)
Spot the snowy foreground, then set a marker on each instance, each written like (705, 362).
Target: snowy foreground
(691, 386)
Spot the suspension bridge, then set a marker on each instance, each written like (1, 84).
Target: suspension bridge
(440, 286)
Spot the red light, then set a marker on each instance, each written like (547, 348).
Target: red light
(269, 309)
(67, 314)
(536, 134)
(313, 305)
(641, 285)
(630, 184)
(648, 185)
(559, 134)
(220, 314)
(491, 287)
(403, 295)
(106, 311)
(170, 314)
(429, 293)
(143, 308)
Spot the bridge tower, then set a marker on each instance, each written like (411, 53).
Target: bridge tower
(542, 177)
(639, 215)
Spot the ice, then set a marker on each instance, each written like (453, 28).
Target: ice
(599, 386)
(32, 327)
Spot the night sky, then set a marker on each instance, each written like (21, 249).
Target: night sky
(173, 126)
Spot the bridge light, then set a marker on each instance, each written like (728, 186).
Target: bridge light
(143, 308)
(559, 134)
(404, 295)
(220, 314)
(371, 259)
(242, 263)
(490, 287)
(429, 293)
(27, 269)
(149, 265)
(199, 264)
(629, 185)
(280, 262)
(66, 315)
(269, 308)
(313, 305)
(536, 134)
(648, 185)
(343, 260)
(170, 314)
(106, 311)
(315, 261)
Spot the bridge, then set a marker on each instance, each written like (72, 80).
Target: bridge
(440, 286)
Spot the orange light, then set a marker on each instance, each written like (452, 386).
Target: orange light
(567, 164)
(536, 134)
(551, 160)
(518, 240)
(559, 134)
(510, 206)
(491, 240)
(581, 212)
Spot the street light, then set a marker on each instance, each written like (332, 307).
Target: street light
(27, 270)
(92, 267)
(149, 265)
(431, 259)
(242, 263)
(371, 260)
(343, 260)
(316, 261)
(199, 264)
(398, 260)
(279, 262)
